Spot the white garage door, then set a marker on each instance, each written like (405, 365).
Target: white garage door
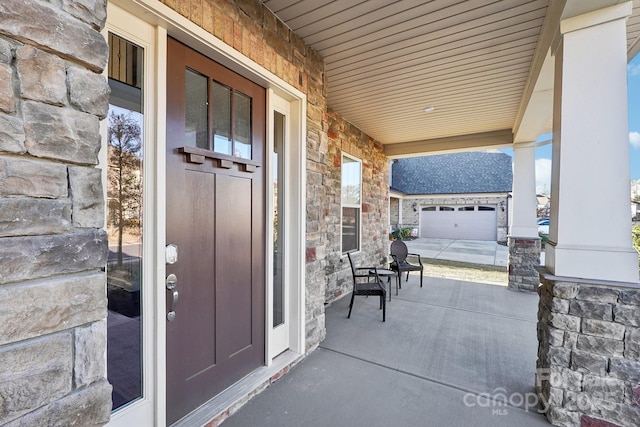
(459, 222)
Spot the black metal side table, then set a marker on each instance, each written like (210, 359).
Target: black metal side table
(383, 272)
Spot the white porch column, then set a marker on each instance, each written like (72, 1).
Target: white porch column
(524, 243)
(524, 191)
(590, 234)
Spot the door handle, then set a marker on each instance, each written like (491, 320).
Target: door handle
(171, 283)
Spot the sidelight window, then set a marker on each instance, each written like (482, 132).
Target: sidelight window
(278, 182)
(124, 220)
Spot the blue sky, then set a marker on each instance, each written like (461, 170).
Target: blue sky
(543, 154)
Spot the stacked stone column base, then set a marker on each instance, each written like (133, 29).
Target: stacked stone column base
(588, 368)
(524, 258)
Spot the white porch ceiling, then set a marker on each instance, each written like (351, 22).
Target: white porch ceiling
(472, 60)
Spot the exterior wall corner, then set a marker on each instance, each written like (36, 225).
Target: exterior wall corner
(53, 248)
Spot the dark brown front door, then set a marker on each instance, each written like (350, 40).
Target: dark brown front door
(215, 216)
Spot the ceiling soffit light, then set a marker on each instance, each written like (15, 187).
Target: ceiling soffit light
(429, 109)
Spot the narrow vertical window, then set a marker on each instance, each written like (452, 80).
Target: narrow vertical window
(124, 220)
(351, 203)
(278, 217)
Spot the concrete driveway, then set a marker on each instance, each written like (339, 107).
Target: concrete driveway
(467, 251)
(451, 353)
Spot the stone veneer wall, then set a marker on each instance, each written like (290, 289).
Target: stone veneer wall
(374, 229)
(589, 352)
(524, 258)
(53, 305)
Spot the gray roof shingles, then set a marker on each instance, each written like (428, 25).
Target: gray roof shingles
(459, 173)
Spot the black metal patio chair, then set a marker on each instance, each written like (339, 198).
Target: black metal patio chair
(399, 253)
(367, 283)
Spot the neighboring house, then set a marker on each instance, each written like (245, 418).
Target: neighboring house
(453, 196)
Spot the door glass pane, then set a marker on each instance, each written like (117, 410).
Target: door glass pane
(278, 217)
(221, 118)
(242, 126)
(124, 221)
(195, 123)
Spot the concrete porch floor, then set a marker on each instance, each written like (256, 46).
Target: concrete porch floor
(445, 356)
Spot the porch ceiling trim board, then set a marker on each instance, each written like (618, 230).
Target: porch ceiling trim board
(493, 139)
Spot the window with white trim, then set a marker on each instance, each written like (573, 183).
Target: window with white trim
(351, 203)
